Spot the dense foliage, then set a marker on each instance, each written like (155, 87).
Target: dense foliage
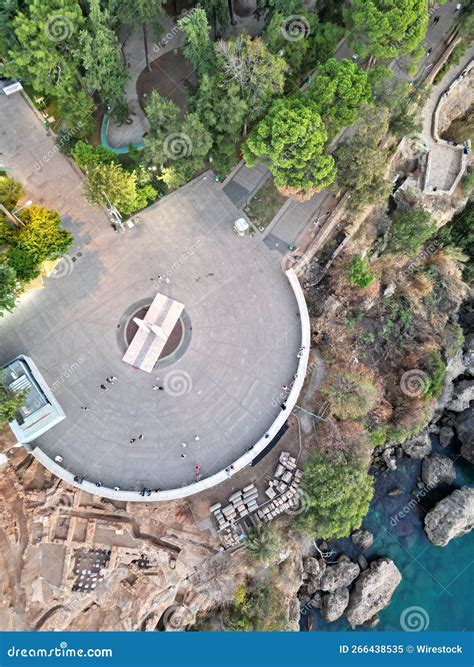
(10, 402)
(292, 138)
(337, 497)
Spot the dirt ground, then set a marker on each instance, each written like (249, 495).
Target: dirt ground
(172, 76)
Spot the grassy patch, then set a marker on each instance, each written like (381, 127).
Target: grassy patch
(264, 205)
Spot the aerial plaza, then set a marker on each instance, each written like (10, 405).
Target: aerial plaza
(161, 377)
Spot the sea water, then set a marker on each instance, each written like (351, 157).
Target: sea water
(437, 582)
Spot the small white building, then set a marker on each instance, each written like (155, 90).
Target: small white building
(40, 411)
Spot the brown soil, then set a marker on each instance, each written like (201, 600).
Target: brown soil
(172, 76)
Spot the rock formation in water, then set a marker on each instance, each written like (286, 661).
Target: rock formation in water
(451, 517)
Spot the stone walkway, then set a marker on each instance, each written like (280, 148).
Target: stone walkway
(444, 160)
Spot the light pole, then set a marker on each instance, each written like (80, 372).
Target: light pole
(114, 213)
(11, 216)
(27, 203)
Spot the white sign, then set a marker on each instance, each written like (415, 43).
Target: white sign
(13, 88)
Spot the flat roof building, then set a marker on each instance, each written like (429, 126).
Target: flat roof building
(40, 411)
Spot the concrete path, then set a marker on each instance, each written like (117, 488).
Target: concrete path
(133, 49)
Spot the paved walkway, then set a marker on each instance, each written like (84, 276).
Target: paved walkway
(122, 135)
(243, 329)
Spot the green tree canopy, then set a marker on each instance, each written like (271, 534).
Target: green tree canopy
(140, 12)
(362, 161)
(10, 192)
(263, 542)
(217, 13)
(351, 393)
(163, 117)
(259, 608)
(121, 187)
(198, 47)
(41, 238)
(258, 73)
(10, 402)
(223, 112)
(101, 57)
(386, 28)
(46, 52)
(337, 496)
(409, 230)
(77, 111)
(8, 286)
(292, 138)
(339, 90)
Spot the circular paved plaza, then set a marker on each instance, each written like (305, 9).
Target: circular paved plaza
(222, 383)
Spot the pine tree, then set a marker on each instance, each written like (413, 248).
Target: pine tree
(101, 57)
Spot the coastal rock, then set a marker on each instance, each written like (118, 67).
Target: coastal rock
(437, 469)
(372, 622)
(446, 434)
(388, 458)
(451, 517)
(465, 432)
(373, 591)
(418, 447)
(463, 395)
(362, 561)
(338, 575)
(311, 566)
(363, 539)
(334, 604)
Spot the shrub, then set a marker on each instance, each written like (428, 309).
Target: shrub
(337, 497)
(263, 542)
(436, 369)
(256, 609)
(409, 230)
(86, 155)
(10, 191)
(350, 393)
(10, 402)
(358, 272)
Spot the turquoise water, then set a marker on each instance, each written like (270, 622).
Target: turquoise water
(439, 580)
